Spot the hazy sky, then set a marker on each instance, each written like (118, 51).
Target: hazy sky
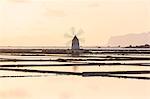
(44, 22)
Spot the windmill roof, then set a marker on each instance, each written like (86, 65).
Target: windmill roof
(75, 37)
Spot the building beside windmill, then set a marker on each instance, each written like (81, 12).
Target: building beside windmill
(75, 43)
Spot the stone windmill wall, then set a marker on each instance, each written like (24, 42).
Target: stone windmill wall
(75, 43)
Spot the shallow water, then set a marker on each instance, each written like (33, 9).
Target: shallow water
(52, 86)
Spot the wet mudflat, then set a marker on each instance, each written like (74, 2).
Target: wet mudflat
(17, 59)
(64, 76)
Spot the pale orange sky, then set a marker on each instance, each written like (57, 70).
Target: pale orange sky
(44, 22)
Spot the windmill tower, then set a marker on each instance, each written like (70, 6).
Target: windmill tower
(74, 39)
(75, 43)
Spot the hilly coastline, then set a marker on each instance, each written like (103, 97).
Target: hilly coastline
(130, 39)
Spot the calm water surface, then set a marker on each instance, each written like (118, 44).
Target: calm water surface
(51, 86)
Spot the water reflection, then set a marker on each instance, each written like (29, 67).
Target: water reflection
(95, 61)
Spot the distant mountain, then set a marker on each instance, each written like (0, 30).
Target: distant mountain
(130, 39)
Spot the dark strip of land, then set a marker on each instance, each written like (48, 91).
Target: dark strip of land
(69, 51)
(77, 73)
(41, 71)
(121, 76)
(69, 60)
(83, 74)
(76, 64)
(22, 76)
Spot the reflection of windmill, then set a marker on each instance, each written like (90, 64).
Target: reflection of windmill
(75, 43)
(75, 40)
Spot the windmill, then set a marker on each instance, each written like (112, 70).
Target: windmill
(75, 43)
(75, 40)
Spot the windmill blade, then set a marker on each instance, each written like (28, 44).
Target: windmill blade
(68, 44)
(68, 35)
(82, 40)
(73, 31)
(80, 32)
